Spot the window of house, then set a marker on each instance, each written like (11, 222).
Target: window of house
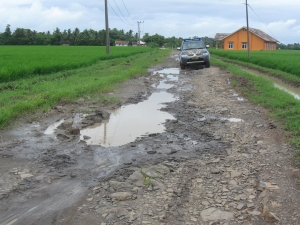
(244, 45)
(230, 45)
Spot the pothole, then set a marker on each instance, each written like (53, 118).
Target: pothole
(130, 122)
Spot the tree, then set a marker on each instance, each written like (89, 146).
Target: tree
(7, 32)
(56, 37)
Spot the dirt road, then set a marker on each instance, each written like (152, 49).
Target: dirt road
(207, 156)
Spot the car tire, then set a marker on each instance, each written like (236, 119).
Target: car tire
(182, 66)
(207, 64)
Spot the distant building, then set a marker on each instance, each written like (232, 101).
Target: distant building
(121, 43)
(237, 40)
(141, 43)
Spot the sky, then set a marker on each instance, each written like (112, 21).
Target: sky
(179, 18)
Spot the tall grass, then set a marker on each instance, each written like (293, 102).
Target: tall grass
(18, 62)
(284, 60)
(42, 92)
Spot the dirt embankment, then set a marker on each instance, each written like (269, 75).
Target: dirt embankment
(219, 161)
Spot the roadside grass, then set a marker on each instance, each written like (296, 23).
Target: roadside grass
(28, 95)
(287, 77)
(283, 60)
(283, 107)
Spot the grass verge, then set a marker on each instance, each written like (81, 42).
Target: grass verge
(283, 107)
(43, 92)
(286, 77)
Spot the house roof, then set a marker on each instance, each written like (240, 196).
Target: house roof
(119, 42)
(262, 35)
(221, 36)
(259, 33)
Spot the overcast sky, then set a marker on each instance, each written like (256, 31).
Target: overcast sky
(179, 18)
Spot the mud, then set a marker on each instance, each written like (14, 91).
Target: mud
(208, 160)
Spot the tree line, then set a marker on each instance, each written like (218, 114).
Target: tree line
(295, 46)
(87, 37)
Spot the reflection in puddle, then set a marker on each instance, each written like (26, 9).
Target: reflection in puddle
(168, 71)
(130, 122)
(77, 118)
(288, 90)
(234, 120)
(172, 77)
(51, 129)
(163, 85)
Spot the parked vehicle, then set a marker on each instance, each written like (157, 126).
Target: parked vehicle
(193, 51)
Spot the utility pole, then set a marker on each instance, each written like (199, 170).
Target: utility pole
(139, 33)
(107, 29)
(248, 35)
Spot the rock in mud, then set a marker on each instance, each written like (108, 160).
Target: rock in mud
(66, 125)
(73, 131)
(103, 114)
(214, 214)
(121, 196)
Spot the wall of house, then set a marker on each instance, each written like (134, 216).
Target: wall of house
(256, 43)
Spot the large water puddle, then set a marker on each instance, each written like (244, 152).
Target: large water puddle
(132, 121)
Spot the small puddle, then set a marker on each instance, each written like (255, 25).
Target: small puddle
(51, 129)
(295, 92)
(234, 120)
(239, 98)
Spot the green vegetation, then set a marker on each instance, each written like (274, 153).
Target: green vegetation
(283, 60)
(30, 94)
(286, 77)
(25, 61)
(283, 107)
(147, 179)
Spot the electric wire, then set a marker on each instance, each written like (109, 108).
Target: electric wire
(118, 15)
(261, 20)
(127, 11)
(231, 2)
(121, 12)
(254, 13)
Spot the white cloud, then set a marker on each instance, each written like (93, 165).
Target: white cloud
(178, 18)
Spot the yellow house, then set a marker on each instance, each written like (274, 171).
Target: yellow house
(237, 40)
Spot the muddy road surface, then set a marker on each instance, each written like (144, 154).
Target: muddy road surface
(182, 147)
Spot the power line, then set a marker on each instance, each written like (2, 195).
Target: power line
(121, 12)
(231, 2)
(261, 20)
(117, 14)
(127, 11)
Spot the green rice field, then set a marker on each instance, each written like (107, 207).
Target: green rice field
(284, 60)
(26, 61)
